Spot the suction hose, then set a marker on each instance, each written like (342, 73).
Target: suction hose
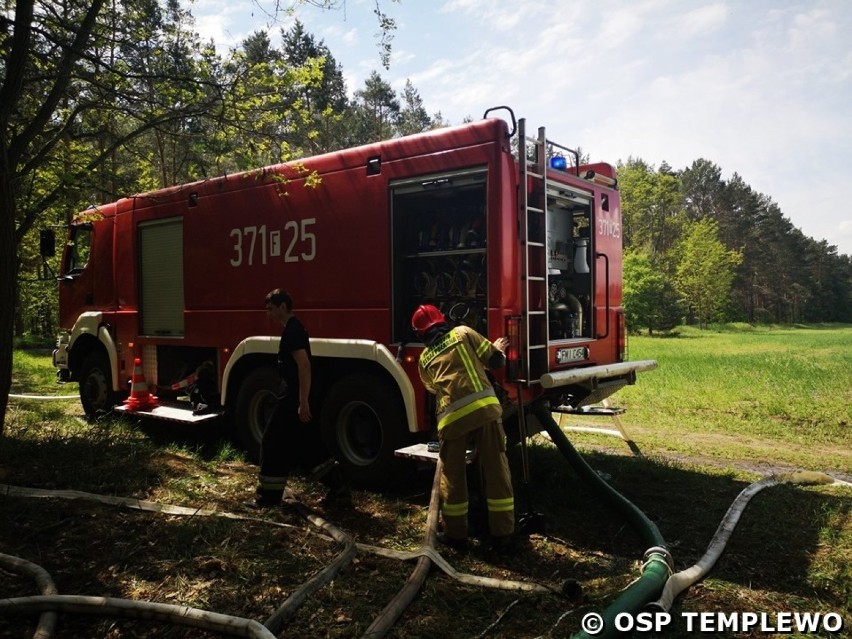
(682, 580)
(657, 561)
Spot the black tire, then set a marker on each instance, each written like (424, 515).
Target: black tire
(363, 423)
(96, 393)
(255, 403)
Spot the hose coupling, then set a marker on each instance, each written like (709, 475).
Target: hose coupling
(658, 552)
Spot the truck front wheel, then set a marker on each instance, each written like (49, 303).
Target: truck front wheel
(96, 393)
(255, 403)
(363, 423)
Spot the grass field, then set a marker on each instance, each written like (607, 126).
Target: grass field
(724, 408)
(780, 395)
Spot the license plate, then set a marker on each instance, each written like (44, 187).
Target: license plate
(565, 355)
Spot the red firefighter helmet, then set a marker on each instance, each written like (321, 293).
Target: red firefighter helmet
(425, 317)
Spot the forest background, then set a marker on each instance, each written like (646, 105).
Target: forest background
(102, 100)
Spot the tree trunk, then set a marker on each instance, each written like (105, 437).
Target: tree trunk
(8, 292)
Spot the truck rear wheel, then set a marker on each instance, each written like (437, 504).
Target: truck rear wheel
(363, 423)
(255, 403)
(96, 393)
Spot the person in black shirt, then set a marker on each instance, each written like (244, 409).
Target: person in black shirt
(287, 441)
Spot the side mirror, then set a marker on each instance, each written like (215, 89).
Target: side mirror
(47, 243)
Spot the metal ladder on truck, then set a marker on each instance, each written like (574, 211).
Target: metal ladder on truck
(532, 231)
(533, 223)
(533, 227)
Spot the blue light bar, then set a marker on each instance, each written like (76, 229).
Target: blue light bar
(558, 162)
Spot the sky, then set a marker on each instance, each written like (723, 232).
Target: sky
(761, 88)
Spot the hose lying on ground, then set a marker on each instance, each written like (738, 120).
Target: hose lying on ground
(128, 502)
(320, 579)
(461, 577)
(112, 607)
(168, 509)
(387, 617)
(682, 580)
(656, 565)
(659, 568)
(41, 398)
(48, 619)
(125, 608)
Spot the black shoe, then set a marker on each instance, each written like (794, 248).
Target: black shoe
(504, 545)
(318, 472)
(338, 497)
(291, 506)
(457, 543)
(262, 504)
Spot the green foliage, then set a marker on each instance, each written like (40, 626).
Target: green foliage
(783, 276)
(160, 107)
(705, 271)
(376, 111)
(649, 298)
(652, 209)
(413, 117)
(324, 102)
(264, 111)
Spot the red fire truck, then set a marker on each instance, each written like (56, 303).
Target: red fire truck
(503, 231)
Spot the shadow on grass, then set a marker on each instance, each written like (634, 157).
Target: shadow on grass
(46, 448)
(783, 544)
(775, 545)
(234, 567)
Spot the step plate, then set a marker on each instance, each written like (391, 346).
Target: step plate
(420, 452)
(171, 413)
(590, 411)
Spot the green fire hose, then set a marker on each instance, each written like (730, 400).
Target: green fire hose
(657, 562)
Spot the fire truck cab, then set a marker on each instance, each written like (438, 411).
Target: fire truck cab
(504, 232)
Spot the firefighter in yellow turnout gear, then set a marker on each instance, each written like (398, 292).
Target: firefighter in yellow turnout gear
(453, 367)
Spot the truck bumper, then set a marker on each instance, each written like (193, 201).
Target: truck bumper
(594, 375)
(60, 358)
(60, 353)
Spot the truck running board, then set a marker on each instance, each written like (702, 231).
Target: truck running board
(172, 412)
(604, 409)
(422, 453)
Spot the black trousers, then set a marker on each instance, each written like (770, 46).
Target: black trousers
(288, 444)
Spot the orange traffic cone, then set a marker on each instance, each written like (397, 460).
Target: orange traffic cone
(186, 382)
(140, 398)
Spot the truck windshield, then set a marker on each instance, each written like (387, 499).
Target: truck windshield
(78, 249)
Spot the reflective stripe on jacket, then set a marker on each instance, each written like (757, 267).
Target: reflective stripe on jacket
(454, 369)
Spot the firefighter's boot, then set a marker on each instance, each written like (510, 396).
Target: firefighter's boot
(339, 494)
